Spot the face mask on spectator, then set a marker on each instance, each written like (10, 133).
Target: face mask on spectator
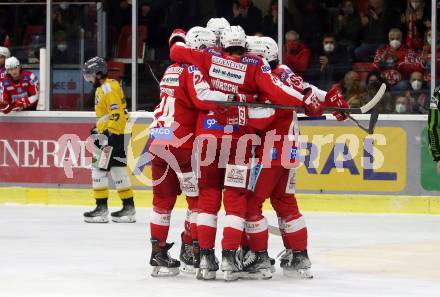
(416, 85)
(64, 6)
(400, 108)
(61, 47)
(428, 40)
(395, 44)
(293, 45)
(329, 47)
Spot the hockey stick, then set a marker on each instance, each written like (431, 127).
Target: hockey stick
(274, 230)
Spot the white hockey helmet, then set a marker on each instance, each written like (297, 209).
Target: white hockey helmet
(199, 38)
(217, 25)
(4, 51)
(264, 47)
(233, 36)
(12, 63)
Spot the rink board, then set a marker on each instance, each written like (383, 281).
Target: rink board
(387, 172)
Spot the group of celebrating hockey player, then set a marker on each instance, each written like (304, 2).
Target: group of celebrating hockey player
(213, 153)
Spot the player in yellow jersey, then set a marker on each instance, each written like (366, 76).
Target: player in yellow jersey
(110, 157)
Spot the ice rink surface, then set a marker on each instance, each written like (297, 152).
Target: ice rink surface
(48, 251)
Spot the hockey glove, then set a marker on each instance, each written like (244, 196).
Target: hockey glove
(5, 107)
(177, 35)
(231, 115)
(313, 106)
(334, 98)
(21, 104)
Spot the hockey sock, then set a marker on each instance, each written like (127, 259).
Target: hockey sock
(257, 232)
(160, 225)
(296, 232)
(187, 238)
(206, 229)
(286, 242)
(232, 232)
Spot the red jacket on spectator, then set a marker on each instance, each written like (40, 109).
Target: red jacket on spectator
(298, 60)
(396, 65)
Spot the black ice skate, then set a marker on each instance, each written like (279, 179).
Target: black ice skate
(296, 264)
(208, 265)
(126, 214)
(98, 215)
(244, 254)
(186, 257)
(257, 265)
(163, 264)
(231, 265)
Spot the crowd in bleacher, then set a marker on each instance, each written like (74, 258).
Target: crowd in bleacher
(355, 44)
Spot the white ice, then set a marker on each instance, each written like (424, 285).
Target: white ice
(48, 251)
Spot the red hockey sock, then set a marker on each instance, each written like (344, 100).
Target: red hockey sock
(286, 242)
(193, 224)
(206, 229)
(258, 233)
(187, 238)
(160, 225)
(296, 232)
(232, 232)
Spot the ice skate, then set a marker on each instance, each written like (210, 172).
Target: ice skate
(231, 265)
(257, 265)
(186, 258)
(161, 261)
(208, 265)
(244, 255)
(98, 215)
(196, 258)
(296, 264)
(125, 215)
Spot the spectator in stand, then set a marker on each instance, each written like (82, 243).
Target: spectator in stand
(403, 104)
(375, 26)
(330, 65)
(62, 53)
(296, 54)
(348, 25)
(424, 58)
(270, 21)
(373, 83)
(419, 92)
(396, 62)
(416, 20)
(352, 89)
(246, 15)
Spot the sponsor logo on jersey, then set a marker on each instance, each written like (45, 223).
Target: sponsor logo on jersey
(265, 68)
(225, 73)
(235, 176)
(211, 124)
(192, 68)
(19, 96)
(175, 69)
(168, 91)
(224, 86)
(5, 82)
(214, 52)
(9, 88)
(229, 63)
(249, 60)
(170, 80)
(114, 107)
(162, 133)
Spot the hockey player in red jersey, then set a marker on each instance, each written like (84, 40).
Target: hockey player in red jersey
(274, 175)
(183, 92)
(19, 88)
(4, 54)
(232, 71)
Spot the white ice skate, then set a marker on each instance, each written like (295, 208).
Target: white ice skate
(295, 264)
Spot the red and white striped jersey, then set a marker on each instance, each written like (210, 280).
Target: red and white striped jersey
(25, 87)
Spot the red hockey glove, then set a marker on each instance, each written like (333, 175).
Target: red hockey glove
(231, 115)
(21, 104)
(5, 107)
(334, 98)
(313, 106)
(177, 35)
(243, 97)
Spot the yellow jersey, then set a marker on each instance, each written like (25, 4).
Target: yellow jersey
(110, 107)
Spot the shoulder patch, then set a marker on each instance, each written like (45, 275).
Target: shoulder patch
(106, 88)
(214, 52)
(114, 107)
(249, 60)
(265, 68)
